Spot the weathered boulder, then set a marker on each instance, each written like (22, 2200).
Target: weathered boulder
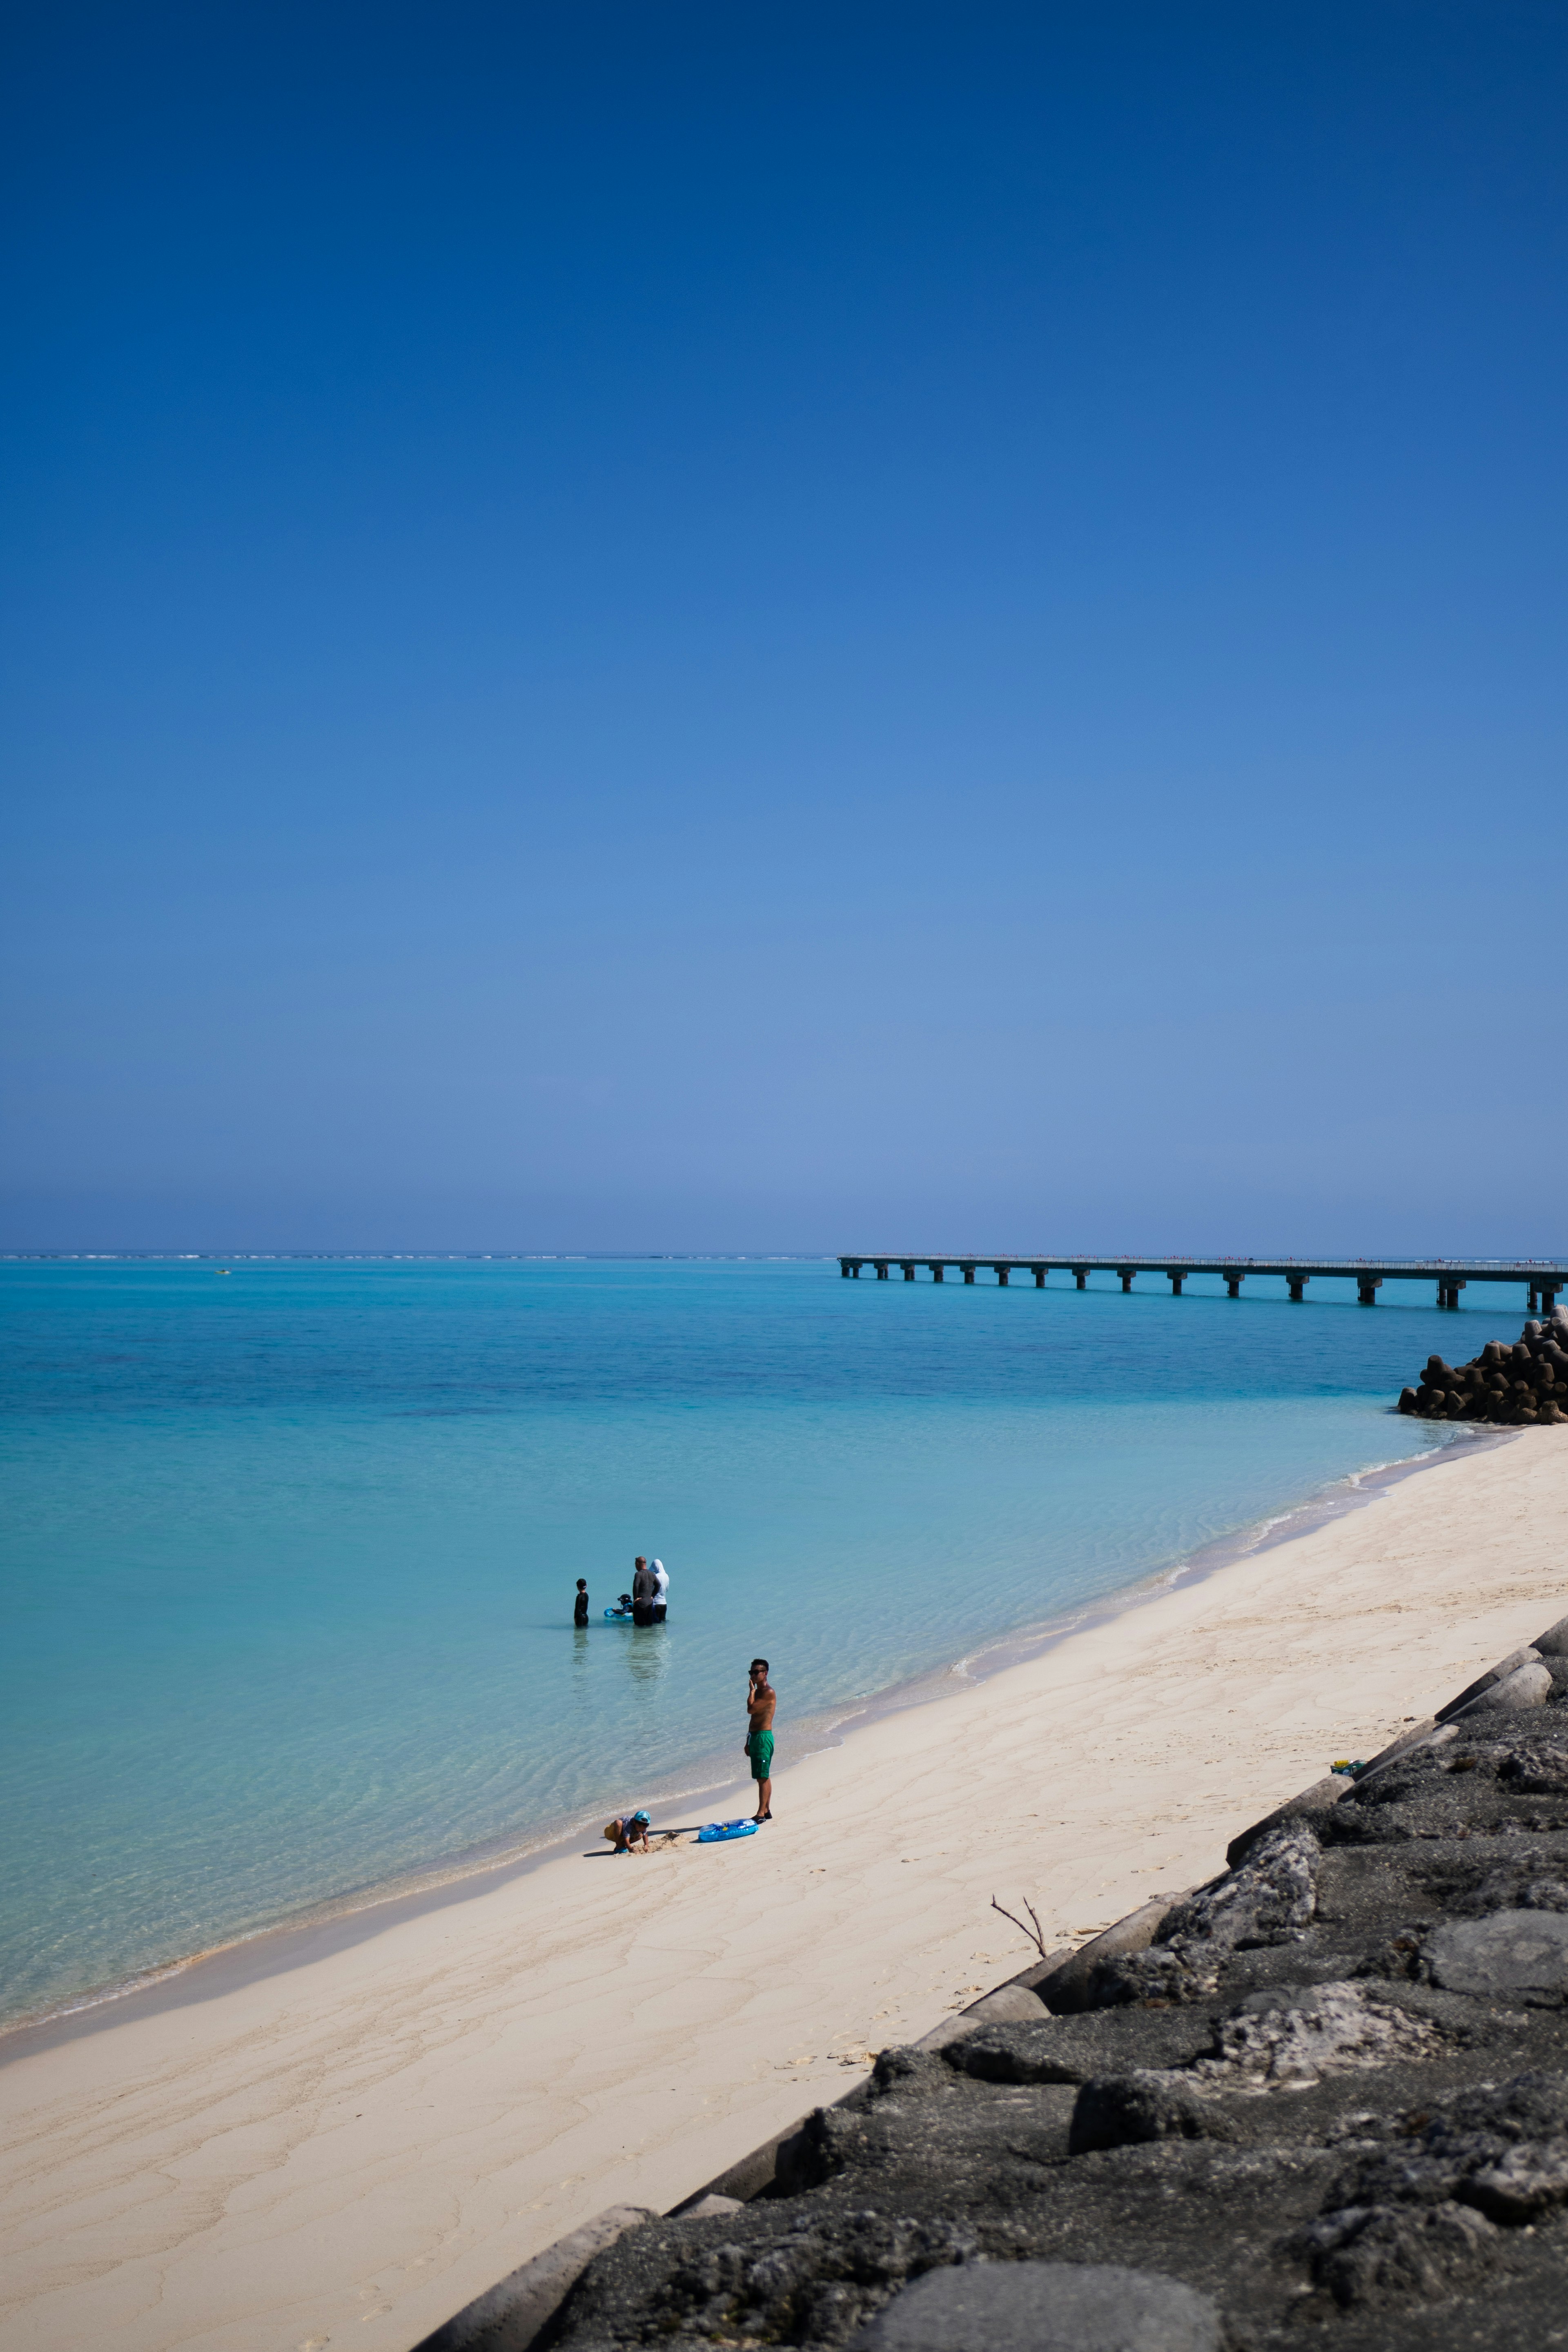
(1287, 2036)
(1531, 1881)
(1534, 1767)
(1374, 2255)
(1263, 1901)
(1076, 2048)
(1044, 2307)
(1510, 1954)
(1123, 2110)
(1502, 2148)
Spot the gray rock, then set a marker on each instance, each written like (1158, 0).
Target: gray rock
(1044, 2307)
(1533, 1767)
(1263, 1901)
(1529, 1883)
(1371, 2254)
(1123, 2110)
(703, 2209)
(1554, 1643)
(1267, 1899)
(1511, 1955)
(1289, 2036)
(1502, 2148)
(1446, 1792)
(1077, 2049)
(1166, 1975)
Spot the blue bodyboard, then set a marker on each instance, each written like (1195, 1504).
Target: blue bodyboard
(715, 1832)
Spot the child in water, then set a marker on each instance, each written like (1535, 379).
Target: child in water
(580, 1611)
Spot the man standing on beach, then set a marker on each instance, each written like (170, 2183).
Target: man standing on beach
(760, 1700)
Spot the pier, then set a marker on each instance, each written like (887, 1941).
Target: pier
(1543, 1279)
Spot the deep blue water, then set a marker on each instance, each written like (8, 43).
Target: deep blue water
(288, 1553)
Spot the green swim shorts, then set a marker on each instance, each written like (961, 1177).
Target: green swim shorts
(760, 1748)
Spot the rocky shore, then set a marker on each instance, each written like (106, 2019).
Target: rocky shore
(1518, 1387)
(1326, 2091)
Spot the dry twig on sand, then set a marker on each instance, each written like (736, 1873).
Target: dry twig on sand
(1035, 1933)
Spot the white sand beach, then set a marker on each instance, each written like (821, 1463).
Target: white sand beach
(343, 2152)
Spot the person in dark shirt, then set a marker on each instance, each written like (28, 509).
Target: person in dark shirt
(644, 1586)
(580, 1608)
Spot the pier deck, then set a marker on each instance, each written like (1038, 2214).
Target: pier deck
(1541, 1277)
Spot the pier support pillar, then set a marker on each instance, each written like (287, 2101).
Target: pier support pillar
(906, 1268)
(1126, 1273)
(936, 1269)
(1297, 1283)
(1533, 1304)
(1039, 1274)
(881, 1266)
(1175, 1281)
(968, 1273)
(1002, 1275)
(1080, 1275)
(1233, 1286)
(1367, 1286)
(1548, 1297)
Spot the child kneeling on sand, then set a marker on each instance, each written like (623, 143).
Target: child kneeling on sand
(629, 1831)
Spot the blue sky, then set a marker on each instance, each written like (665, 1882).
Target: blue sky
(708, 628)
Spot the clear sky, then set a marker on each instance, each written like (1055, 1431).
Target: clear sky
(681, 626)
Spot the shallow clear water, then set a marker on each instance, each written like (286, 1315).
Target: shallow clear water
(288, 1553)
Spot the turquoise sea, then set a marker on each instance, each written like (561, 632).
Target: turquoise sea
(289, 1551)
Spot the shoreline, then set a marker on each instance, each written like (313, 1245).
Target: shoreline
(341, 1921)
(355, 2147)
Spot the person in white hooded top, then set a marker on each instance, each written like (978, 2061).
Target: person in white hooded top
(661, 1598)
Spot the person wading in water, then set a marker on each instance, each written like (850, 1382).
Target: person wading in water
(760, 1700)
(644, 1586)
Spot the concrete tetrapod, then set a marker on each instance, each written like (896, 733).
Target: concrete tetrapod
(510, 2315)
